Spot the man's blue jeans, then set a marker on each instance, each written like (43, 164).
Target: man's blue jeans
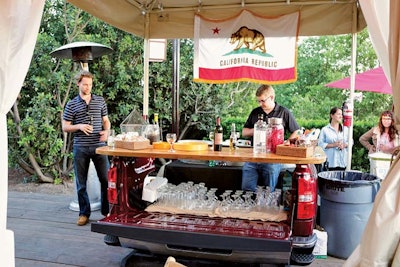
(268, 172)
(82, 157)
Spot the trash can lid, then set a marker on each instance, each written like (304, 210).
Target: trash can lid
(380, 156)
(349, 178)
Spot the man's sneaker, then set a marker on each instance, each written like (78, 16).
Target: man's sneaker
(82, 220)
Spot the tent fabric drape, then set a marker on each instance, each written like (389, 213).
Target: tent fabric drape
(378, 28)
(394, 54)
(379, 245)
(19, 26)
(318, 17)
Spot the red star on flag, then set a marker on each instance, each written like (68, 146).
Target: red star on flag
(216, 30)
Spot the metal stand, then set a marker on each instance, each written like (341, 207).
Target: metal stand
(93, 189)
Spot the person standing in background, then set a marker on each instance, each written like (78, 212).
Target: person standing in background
(86, 116)
(334, 140)
(384, 136)
(268, 172)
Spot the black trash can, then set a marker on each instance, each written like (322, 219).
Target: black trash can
(347, 199)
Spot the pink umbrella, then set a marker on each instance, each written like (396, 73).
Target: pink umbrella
(371, 80)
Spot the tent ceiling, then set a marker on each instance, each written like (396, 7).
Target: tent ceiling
(175, 18)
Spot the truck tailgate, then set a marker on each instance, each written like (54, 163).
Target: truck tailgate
(220, 235)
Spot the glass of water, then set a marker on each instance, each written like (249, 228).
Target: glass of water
(110, 138)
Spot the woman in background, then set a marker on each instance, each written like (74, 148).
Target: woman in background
(334, 140)
(382, 138)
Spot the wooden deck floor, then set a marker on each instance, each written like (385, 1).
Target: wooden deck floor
(46, 235)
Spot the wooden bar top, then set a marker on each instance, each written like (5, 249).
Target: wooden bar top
(239, 155)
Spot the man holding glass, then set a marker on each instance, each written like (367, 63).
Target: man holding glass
(86, 116)
(268, 172)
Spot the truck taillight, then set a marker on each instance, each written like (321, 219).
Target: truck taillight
(112, 191)
(304, 183)
(306, 196)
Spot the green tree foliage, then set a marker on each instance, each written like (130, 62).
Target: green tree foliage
(325, 59)
(118, 78)
(37, 143)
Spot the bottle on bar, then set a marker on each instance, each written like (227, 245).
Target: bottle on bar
(275, 134)
(152, 131)
(156, 118)
(260, 135)
(158, 125)
(233, 138)
(218, 135)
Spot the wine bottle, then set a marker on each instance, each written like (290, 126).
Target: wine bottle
(159, 126)
(233, 138)
(153, 131)
(218, 135)
(156, 118)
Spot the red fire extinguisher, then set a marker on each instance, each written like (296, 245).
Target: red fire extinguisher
(347, 110)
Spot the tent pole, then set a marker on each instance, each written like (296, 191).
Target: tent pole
(352, 86)
(175, 87)
(146, 55)
(351, 97)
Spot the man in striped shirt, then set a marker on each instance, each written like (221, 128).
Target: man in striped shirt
(86, 116)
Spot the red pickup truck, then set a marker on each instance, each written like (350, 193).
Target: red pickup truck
(214, 239)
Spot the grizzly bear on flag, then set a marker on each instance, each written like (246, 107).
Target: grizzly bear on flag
(246, 36)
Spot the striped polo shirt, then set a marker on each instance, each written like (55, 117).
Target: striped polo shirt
(77, 111)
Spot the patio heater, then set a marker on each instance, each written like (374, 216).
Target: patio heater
(82, 53)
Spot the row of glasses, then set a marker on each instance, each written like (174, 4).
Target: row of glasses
(266, 200)
(190, 196)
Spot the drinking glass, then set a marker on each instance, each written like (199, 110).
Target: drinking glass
(237, 135)
(211, 136)
(340, 140)
(381, 145)
(171, 139)
(110, 138)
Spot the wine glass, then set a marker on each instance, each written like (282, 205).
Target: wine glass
(111, 138)
(211, 136)
(171, 139)
(237, 135)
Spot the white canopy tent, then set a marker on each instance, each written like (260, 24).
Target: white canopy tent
(19, 24)
(152, 19)
(170, 19)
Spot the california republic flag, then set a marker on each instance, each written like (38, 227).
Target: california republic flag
(246, 48)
